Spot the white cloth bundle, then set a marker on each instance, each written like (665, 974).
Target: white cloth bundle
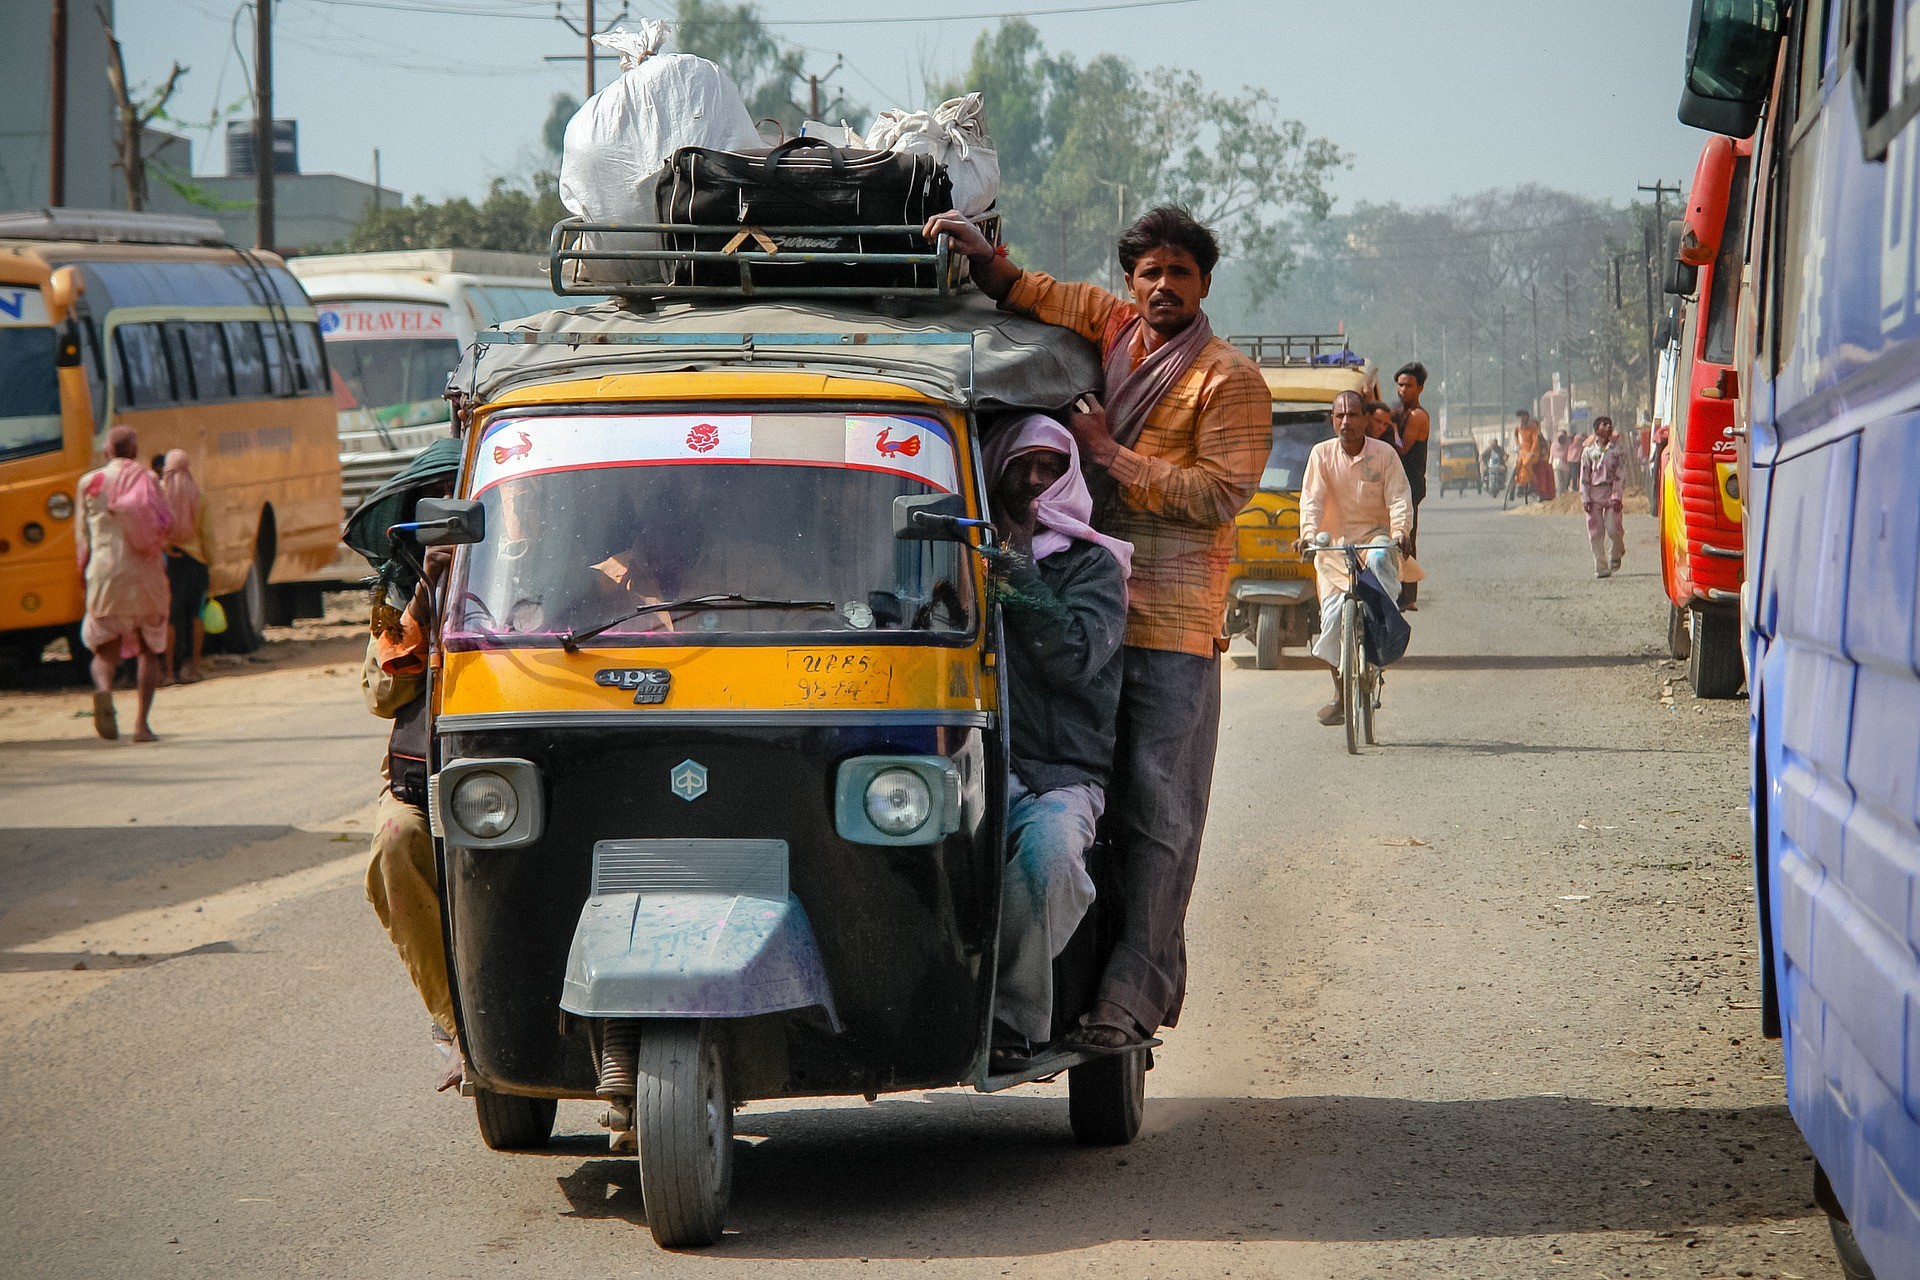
(618, 143)
(955, 134)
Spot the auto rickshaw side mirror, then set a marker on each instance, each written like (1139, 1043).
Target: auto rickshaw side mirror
(449, 522)
(933, 517)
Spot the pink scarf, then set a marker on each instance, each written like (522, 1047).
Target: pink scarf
(1131, 393)
(134, 496)
(1063, 512)
(182, 492)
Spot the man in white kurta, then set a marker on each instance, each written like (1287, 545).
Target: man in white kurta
(1355, 490)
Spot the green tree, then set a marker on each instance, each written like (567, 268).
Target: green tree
(772, 74)
(514, 216)
(559, 113)
(1083, 149)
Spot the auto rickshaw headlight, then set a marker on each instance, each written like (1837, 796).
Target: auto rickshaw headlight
(899, 802)
(484, 805)
(493, 802)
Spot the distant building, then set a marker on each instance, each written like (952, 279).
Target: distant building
(26, 108)
(312, 210)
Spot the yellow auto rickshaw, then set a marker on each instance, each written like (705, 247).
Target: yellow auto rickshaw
(1459, 466)
(1272, 600)
(719, 763)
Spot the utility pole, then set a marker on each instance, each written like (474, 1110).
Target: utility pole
(1119, 226)
(1652, 355)
(1533, 288)
(376, 179)
(813, 88)
(57, 141)
(586, 32)
(1566, 355)
(1503, 362)
(1660, 191)
(263, 174)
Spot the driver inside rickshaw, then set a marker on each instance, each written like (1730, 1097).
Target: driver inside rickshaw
(1064, 601)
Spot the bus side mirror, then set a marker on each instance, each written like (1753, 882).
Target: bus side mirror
(66, 345)
(1731, 46)
(449, 522)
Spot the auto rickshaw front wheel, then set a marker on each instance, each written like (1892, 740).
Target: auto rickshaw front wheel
(1267, 625)
(510, 1122)
(1107, 1099)
(683, 1121)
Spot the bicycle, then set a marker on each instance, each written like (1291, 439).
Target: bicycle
(1361, 679)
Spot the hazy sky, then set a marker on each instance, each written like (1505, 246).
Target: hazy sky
(1431, 99)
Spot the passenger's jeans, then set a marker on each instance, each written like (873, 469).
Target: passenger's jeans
(1163, 772)
(1044, 894)
(403, 884)
(1326, 646)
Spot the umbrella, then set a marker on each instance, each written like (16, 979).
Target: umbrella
(392, 503)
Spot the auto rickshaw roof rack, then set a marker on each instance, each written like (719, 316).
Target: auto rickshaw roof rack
(746, 249)
(1298, 349)
(745, 347)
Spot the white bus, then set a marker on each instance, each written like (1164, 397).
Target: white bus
(395, 325)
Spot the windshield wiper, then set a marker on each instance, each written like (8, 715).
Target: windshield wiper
(571, 641)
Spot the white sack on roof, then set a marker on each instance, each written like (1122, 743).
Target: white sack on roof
(955, 134)
(617, 144)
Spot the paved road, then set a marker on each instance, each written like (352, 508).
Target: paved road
(1477, 1003)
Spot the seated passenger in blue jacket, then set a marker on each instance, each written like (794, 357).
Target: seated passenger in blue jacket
(1064, 601)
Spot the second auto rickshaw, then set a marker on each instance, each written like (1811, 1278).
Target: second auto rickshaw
(719, 773)
(1272, 600)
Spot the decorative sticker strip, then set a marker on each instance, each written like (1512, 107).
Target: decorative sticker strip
(903, 446)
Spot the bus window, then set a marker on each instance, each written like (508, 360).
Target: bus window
(497, 303)
(279, 367)
(144, 377)
(173, 337)
(29, 391)
(312, 353)
(248, 362)
(207, 356)
(389, 372)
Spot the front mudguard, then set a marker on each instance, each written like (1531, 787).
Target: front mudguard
(693, 955)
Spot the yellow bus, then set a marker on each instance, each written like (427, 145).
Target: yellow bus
(156, 323)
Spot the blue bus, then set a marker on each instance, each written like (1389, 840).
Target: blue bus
(1829, 354)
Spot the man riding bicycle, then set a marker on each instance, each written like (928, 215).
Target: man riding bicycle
(1355, 490)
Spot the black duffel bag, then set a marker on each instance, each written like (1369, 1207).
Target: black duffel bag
(804, 182)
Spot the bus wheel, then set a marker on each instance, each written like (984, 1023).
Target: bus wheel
(246, 613)
(1266, 637)
(1679, 643)
(1713, 665)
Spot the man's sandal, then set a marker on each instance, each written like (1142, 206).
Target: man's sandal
(1331, 714)
(1089, 1036)
(106, 722)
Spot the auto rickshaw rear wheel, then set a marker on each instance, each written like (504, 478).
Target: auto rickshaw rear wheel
(683, 1120)
(1266, 637)
(1107, 1099)
(510, 1122)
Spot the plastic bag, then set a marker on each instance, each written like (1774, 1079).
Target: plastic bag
(213, 617)
(955, 134)
(617, 144)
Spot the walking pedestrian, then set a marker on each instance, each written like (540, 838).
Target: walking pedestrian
(1566, 461)
(187, 574)
(1603, 485)
(1411, 423)
(1174, 455)
(122, 553)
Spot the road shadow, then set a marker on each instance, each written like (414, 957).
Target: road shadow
(1546, 749)
(961, 1176)
(58, 878)
(1518, 661)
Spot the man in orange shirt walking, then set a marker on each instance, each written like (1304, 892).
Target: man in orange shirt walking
(1175, 453)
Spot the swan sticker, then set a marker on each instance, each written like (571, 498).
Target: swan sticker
(503, 454)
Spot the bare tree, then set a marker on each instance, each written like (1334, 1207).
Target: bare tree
(129, 147)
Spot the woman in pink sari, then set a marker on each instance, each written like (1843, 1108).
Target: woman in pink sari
(123, 554)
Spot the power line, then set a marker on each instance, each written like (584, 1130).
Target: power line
(470, 10)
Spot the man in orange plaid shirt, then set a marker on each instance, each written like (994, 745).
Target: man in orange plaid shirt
(1174, 454)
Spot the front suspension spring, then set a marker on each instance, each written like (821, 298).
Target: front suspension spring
(619, 1043)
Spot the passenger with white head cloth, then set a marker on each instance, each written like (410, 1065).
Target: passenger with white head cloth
(1064, 602)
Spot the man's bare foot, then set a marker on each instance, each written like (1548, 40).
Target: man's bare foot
(190, 675)
(1334, 712)
(143, 734)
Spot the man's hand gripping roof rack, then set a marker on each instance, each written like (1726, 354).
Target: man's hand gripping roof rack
(742, 347)
(748, 247)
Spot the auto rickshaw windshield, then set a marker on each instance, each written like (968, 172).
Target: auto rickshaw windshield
(591, 518)
(1295, 432)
